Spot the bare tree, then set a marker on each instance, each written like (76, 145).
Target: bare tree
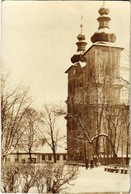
(105, 121)
(50, 178)
(13, 104)
(31, 135)
(17, 178)
(28, 177)
(40, 181)
(50, 131)
(116, 127)
(55, 177)
(10, 178)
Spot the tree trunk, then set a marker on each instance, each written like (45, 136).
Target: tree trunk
(54, 155)
(107, 150)
(127, 161)
(30, 156)
(3, 158)
(113, 150)
(97, 147)
(114, 157)
(127, 148)
(48, 184)
(26, 188)
(11, 185)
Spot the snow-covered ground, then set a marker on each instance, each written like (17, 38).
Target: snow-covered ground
(97, 180)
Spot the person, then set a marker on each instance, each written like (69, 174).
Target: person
(87, 163)
(95, 161)
(91, 164)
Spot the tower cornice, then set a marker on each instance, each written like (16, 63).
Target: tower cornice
(103, 44)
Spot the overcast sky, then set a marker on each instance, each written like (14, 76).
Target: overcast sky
(39, 39)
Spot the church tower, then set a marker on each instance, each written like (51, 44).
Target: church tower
(94, 102)
(103, 61)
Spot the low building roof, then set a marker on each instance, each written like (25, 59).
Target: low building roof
(45, 149)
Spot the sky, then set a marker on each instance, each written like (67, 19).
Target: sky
(39, 38)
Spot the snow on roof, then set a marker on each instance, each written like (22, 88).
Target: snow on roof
(82, 64)
(111, 44)
(45, 149)
(72, 66)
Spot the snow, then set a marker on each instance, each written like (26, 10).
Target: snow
(98, 180)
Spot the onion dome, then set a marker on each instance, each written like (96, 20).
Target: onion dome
(81, 44)
(81, 37)
(103, 33)
(104, 11)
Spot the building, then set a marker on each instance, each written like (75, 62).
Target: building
(97, 115)
(40, 154)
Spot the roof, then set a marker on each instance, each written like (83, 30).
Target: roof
(104, 44)
(99, 43)
(72, 66)
(45, 149)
